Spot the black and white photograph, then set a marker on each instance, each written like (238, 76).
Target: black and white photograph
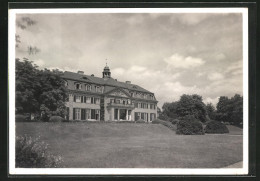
(128, 91)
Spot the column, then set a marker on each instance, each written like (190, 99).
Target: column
(126, 116)
(118, 118)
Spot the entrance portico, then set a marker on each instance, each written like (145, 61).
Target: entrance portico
(122, 114)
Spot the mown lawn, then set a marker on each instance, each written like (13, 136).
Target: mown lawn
(126, 145)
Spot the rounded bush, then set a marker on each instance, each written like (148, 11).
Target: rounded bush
(215, 127)
(56, 119)
(33, 153)
(188, 127)
(174, 121)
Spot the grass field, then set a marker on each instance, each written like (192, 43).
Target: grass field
(125, 145)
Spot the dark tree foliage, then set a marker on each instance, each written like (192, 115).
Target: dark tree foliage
(216, 127)
(230, 110)
(191, 105)
(39, 91)
(26, 85)
(211, 111)
(169, 110)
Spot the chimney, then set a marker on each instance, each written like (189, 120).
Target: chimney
(92, 75)
(80, 72)
(128, 82)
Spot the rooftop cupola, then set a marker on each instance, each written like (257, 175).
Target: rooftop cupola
(106, 72)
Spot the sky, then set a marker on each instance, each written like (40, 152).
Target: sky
(169, 54)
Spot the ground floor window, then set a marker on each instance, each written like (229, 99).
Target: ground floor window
(116, 114)
(76, 113)
(152, 116)
(67, 113)
(137, 116)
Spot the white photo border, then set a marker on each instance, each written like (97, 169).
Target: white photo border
(123, 171)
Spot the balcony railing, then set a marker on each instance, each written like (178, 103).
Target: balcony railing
(113, 104)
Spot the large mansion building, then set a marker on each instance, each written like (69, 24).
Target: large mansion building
(106, 99)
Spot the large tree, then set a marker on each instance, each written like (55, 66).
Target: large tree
(39, 91)
(26, 87)
(191, 105)
(230, 110)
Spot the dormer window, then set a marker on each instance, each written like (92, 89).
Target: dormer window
(78, 86)
(88, 87)
(97, 88)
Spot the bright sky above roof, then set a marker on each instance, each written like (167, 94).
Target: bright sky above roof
(168, 54)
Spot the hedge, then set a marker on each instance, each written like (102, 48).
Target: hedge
(189, 127)
(140, 121)
(216, 127)
(56, 119)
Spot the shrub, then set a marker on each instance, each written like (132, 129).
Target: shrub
(216, 127)
(56, 119)
(33, 153)
(140, 121)
(174, 121)
(165, 123)
(21, 118)
(189, 127)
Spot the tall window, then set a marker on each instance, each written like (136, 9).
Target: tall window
(88, 87)
(78, 86)
(77, 98)
(88, 100)
(76, 113)
(92, 100)
(97, 101)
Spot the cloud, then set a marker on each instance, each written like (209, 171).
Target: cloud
(235, 68)
(215, 76)
(214, 101)
(220, 56)
(179, 61)
(193, 19)
(39, 62)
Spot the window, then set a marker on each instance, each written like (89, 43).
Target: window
(97, 89)
(88, 116)
(96, 100)
(78, 86)
(139, 105)
(88, 100)
(76, 113)
(92, 100)
(65, 83)
(88, 87)
(142, 115)
(77, 98)
(112, 100)
(83, 114)
(118, 101)
(93, 116)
